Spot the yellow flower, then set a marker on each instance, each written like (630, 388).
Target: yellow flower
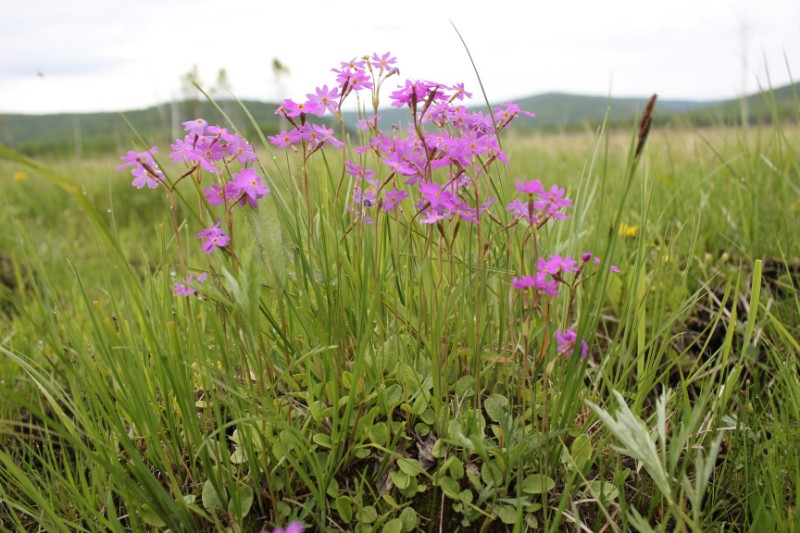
(20, 176)
(628, 231)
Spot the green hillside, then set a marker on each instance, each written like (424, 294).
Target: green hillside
(92, 133)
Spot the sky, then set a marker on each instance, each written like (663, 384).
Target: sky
(108, 55)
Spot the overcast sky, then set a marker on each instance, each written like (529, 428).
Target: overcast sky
(105, 55)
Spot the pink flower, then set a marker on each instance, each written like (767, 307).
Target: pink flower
(566, 343)
(531, 187)
(392, 198)
(213, 237)
(246, 187)
(195, 127)
(184, 289)
(325, 97)
(145, 170)
(215, 194)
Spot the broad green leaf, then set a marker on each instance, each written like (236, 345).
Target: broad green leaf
(409, 466)
(580, 453)
(212, 501)
(395, 525)
(323, 440)
(410, 519)
(367, 514)
(344, 506)
(602, 490)
(450, 487)
(245, 497)
(509, 515)
(537, 484)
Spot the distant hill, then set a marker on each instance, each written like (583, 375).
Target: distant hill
(92, 133)
(95, 133)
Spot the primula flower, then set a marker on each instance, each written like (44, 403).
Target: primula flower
(523, 210)
(325, 136)
(213, 237)
(383, 62)
(284, 139)
(539, 282)
(195, 127)
(566, 343)
(239, 148)
(557, 264)
(184, 289)
(531, 187)
(392, 198)
(145, 171)
(327, 98)
(246, 187)
(215, 194)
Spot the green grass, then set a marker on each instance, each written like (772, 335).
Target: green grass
(387, 377)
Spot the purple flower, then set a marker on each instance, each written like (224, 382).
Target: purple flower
(538, 282)
(195, 127)
(327, 98)
(239, 148)
(531, 187)
(185, 290)
(383, 62)
(213, 237)
(284, 139)
(215, 194)
(392, 198)
(523, 210)
(324, 135)
(556, 264)
(246, 187)
(145, 171)
(566, 343)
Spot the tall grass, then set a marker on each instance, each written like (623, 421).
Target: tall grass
(387, 376)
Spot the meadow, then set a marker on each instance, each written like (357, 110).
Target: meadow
(456, 328)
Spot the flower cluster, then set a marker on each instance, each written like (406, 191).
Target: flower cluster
(541, 205)
(206, 145)
(442, 134)
(212, 149)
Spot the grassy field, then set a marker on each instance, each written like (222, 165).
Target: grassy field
(391, 376)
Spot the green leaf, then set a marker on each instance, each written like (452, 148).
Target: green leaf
(508, 514)
(344, 506)
(411, 467)
(602, 490)
(580, 453)
(493, 409)
(367, 514)
(245, 497)
(537, 484)
(410, 519)
(238, 456)
(450, 487)
(323, 440)
(456, 468)
(400, 479)
(464, 386)
(150, 517)
(212, 501)
(395, 525)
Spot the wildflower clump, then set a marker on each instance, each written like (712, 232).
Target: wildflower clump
(208, 153)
